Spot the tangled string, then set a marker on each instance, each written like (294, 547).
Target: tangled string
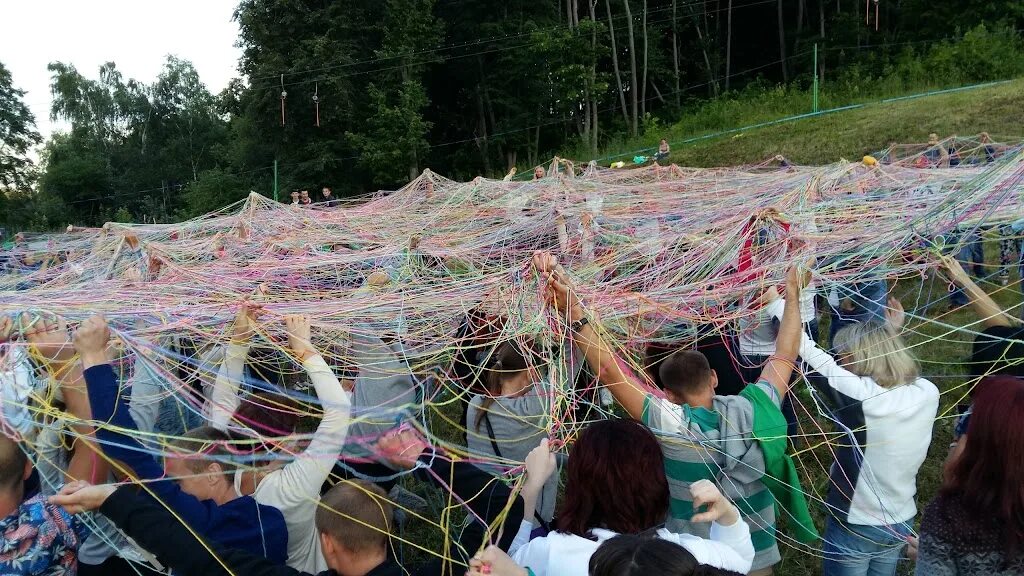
(661, 254)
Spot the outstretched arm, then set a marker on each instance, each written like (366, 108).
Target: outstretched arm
(224, 400)
(52, 345)
(116, 427)
(779, 368)
(301, 479)
(496, 511)
(990, 313)
(609, 367)
(160, 533)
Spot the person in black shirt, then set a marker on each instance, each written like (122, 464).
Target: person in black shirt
(327, 198)
(353, 520)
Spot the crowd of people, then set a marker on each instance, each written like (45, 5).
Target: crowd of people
(690, 466)
(326, 199)
(690, 481)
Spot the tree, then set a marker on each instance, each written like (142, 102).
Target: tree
(131, 145)
(18, 135)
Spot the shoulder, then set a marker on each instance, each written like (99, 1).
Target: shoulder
(928, 386)
(942, 514)
(660, 413)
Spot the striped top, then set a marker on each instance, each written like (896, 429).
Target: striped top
(716, 445)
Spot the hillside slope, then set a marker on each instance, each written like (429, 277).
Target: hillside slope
(998, 110)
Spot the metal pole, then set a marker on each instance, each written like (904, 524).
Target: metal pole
(815, 103)
(275, 174)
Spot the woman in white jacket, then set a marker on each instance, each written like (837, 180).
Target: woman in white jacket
(886, 411)
(616, 484)
(294, 489)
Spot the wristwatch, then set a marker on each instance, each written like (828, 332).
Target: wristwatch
(579, 324)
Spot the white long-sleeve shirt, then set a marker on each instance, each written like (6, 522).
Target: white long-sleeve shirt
(560, 554)
(874, 478)
(295, 488)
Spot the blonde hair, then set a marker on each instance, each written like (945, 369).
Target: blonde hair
(875, 350)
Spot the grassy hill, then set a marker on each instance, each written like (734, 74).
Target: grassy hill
(825, 138)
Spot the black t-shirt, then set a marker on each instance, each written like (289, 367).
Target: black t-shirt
(997, 350)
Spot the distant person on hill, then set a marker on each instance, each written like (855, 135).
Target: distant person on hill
(936, 155)
(304, 198)
(327, 198)
(539, 173)
(295, 197)
(663, 151)
(990, 148)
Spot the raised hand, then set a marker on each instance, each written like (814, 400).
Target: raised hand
(797, 279)
(559, 291)
(299, 339)
(243, 328)
(80, 496)
(540, 464)
(91, 341)
(6, 328)
(719, 509)
(495, 562)
(953, 269)
(895, 314)
(49, 338)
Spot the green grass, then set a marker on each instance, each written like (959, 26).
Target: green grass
(827, 138)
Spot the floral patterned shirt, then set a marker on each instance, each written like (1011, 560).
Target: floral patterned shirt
(40, 539)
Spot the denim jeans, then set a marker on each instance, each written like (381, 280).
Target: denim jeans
(869, 302)
(858, 550)
(1009, 243)
(972, 257)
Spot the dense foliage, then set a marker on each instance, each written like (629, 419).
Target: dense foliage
(362, 95)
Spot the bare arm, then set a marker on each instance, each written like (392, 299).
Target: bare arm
(988, 311)
(601, 358)
(779, 368)
(51, 344)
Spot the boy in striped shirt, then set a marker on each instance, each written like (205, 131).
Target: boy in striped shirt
(703, 436)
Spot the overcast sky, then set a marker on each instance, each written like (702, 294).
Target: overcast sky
(135, 34)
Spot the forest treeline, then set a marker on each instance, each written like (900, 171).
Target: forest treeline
(360, 95)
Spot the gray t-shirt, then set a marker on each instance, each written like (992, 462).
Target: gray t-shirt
(519, 423)
(385, 392)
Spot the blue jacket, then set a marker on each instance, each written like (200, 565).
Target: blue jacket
(240, 524)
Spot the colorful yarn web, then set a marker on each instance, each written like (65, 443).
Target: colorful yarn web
(659, 253)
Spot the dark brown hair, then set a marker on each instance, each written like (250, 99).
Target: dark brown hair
(646, 555)
(508, 360)
(269, 414)
(685, 372)
(989, 475)
(615, 479)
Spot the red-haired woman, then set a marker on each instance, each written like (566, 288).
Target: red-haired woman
(976, 524)
(616, 484)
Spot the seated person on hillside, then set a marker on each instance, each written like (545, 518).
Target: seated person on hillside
(663, 151)
(936, 156)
